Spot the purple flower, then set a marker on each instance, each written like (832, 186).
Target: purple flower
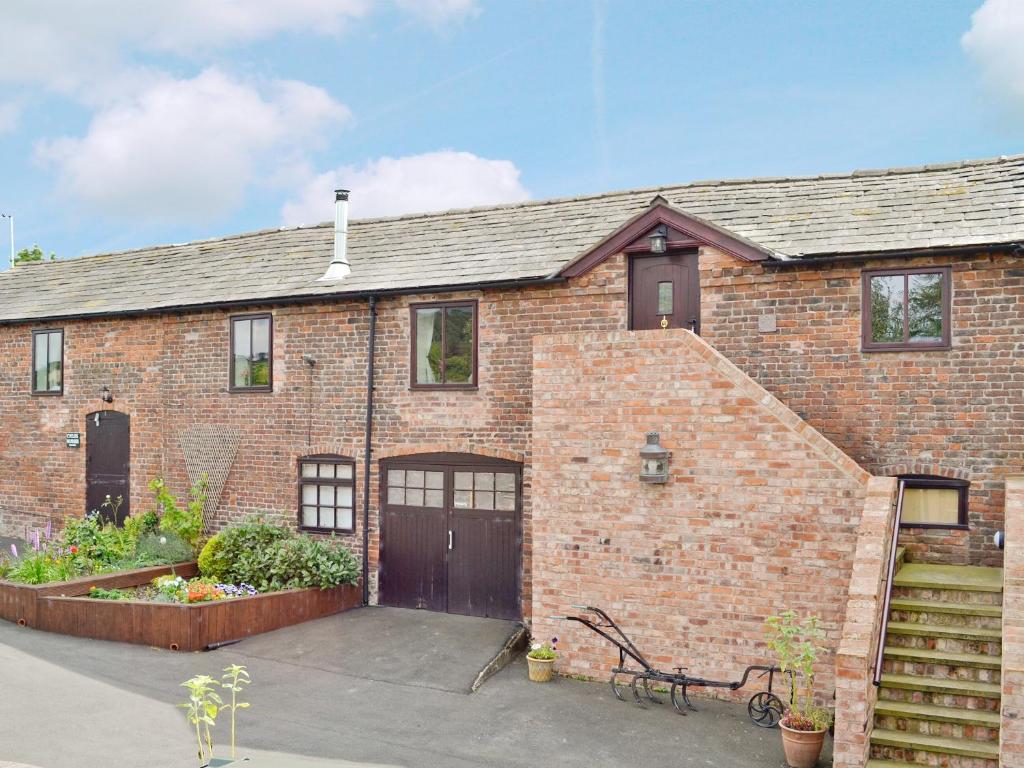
(14, 551)
(48, 523)
(35, 540)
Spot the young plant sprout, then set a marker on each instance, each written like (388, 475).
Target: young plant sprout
(201, 710)
(235, 679)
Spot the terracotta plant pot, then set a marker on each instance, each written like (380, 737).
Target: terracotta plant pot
(540, 669)
(802, 747)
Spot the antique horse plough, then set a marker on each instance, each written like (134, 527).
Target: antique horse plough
(764, 708)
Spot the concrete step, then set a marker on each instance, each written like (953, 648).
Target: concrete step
(956, 715)
(943, 686)
(944, 658)
(909, 743)
(937, 606)
(941, 637)
(960, 578)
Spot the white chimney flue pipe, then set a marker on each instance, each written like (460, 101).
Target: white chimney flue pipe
(340, 268)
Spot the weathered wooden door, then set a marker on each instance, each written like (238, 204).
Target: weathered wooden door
(451, 537)
(107, 462)
(665, 292)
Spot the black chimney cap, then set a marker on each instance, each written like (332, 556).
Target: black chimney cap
(340, 194)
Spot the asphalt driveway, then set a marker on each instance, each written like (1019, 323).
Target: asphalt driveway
(376, 686)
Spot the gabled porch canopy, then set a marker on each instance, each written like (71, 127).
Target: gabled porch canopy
(688, 231)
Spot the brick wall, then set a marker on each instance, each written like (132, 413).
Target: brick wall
(856, 695)
(958, 413)
(171, 372)
(760, 513)
(1011, 730)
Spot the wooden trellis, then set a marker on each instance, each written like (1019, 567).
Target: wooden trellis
(209, 450)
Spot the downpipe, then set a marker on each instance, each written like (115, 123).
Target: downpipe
(368, 448)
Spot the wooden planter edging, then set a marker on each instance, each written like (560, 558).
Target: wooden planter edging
(190, 627)
(18, 602)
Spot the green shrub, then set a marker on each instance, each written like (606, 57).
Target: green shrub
(99, 593)
(186, 523)
(162, 548)
(307, 562)
(247, 549)
(99, 541)
(34, 568)
(212, 562)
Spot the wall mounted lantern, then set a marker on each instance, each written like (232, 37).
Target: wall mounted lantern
(653, 460)
(659, 239)
(106, 396)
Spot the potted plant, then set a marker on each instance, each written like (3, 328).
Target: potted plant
(541, 659)
(796, 646)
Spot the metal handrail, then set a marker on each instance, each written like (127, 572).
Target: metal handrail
(880, 649)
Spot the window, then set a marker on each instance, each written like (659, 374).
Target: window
(48, 362)
(416, 488)
(444, 345)
(252, 363)
(906, 309)
(934, 502)
(485, 490)
(326, 493)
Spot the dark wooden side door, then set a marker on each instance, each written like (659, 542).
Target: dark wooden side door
(665, 291)
(107, 462)
(451, 536)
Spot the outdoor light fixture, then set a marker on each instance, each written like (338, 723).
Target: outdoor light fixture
(106, 396)
(659, 239)
(653, 460)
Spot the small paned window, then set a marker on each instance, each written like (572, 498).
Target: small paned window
(444, 345)
(485, 490)
(252, 343)
(934, 502)
(906, 309)
(326, 493)
(48, 362)
(416, 488)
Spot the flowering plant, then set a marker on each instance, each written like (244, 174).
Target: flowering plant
(202, 592)
(796, 644)
(544, 651)
(241, 590)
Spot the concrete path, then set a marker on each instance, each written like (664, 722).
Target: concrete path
(341, 689)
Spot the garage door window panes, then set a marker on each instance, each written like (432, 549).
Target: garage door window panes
(485, 490)
(326, 488)
(416, 488)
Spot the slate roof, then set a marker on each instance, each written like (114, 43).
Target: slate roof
(965, 203)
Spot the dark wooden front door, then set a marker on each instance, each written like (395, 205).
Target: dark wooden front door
(665, 292)
(107, 460)
(451, 538)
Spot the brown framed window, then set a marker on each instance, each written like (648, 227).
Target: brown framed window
(934, 502)
(48, 362)
(327, 493)
(443, 345)
(252, 353)
(906, 309)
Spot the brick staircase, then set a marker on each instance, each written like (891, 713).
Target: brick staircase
(938, 704)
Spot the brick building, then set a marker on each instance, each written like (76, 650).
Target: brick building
(850, 326)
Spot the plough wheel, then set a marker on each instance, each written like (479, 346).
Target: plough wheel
(765, 709)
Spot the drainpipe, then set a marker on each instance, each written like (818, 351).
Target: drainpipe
(368, 449)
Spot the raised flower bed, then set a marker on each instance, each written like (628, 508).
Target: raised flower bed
(252, 577)
(190, 626)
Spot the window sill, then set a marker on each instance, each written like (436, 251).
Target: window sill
(905, 348)
(247, 390)
(326, 531)
(47, 394)
(933, 527)
(445, 387)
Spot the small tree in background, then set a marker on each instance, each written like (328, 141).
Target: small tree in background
(35, 253)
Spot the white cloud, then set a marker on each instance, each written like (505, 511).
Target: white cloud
(190, 148)
(439, 12)
(71, 47)
(434, 181)
(994, 42)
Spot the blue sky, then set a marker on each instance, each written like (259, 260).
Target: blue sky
(129, 124)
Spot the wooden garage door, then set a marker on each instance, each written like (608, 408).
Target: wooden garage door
(451, 534)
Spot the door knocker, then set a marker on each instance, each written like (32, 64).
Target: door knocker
(664, 321)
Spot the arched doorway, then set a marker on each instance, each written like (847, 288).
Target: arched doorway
(107, 463)
(451, 534)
